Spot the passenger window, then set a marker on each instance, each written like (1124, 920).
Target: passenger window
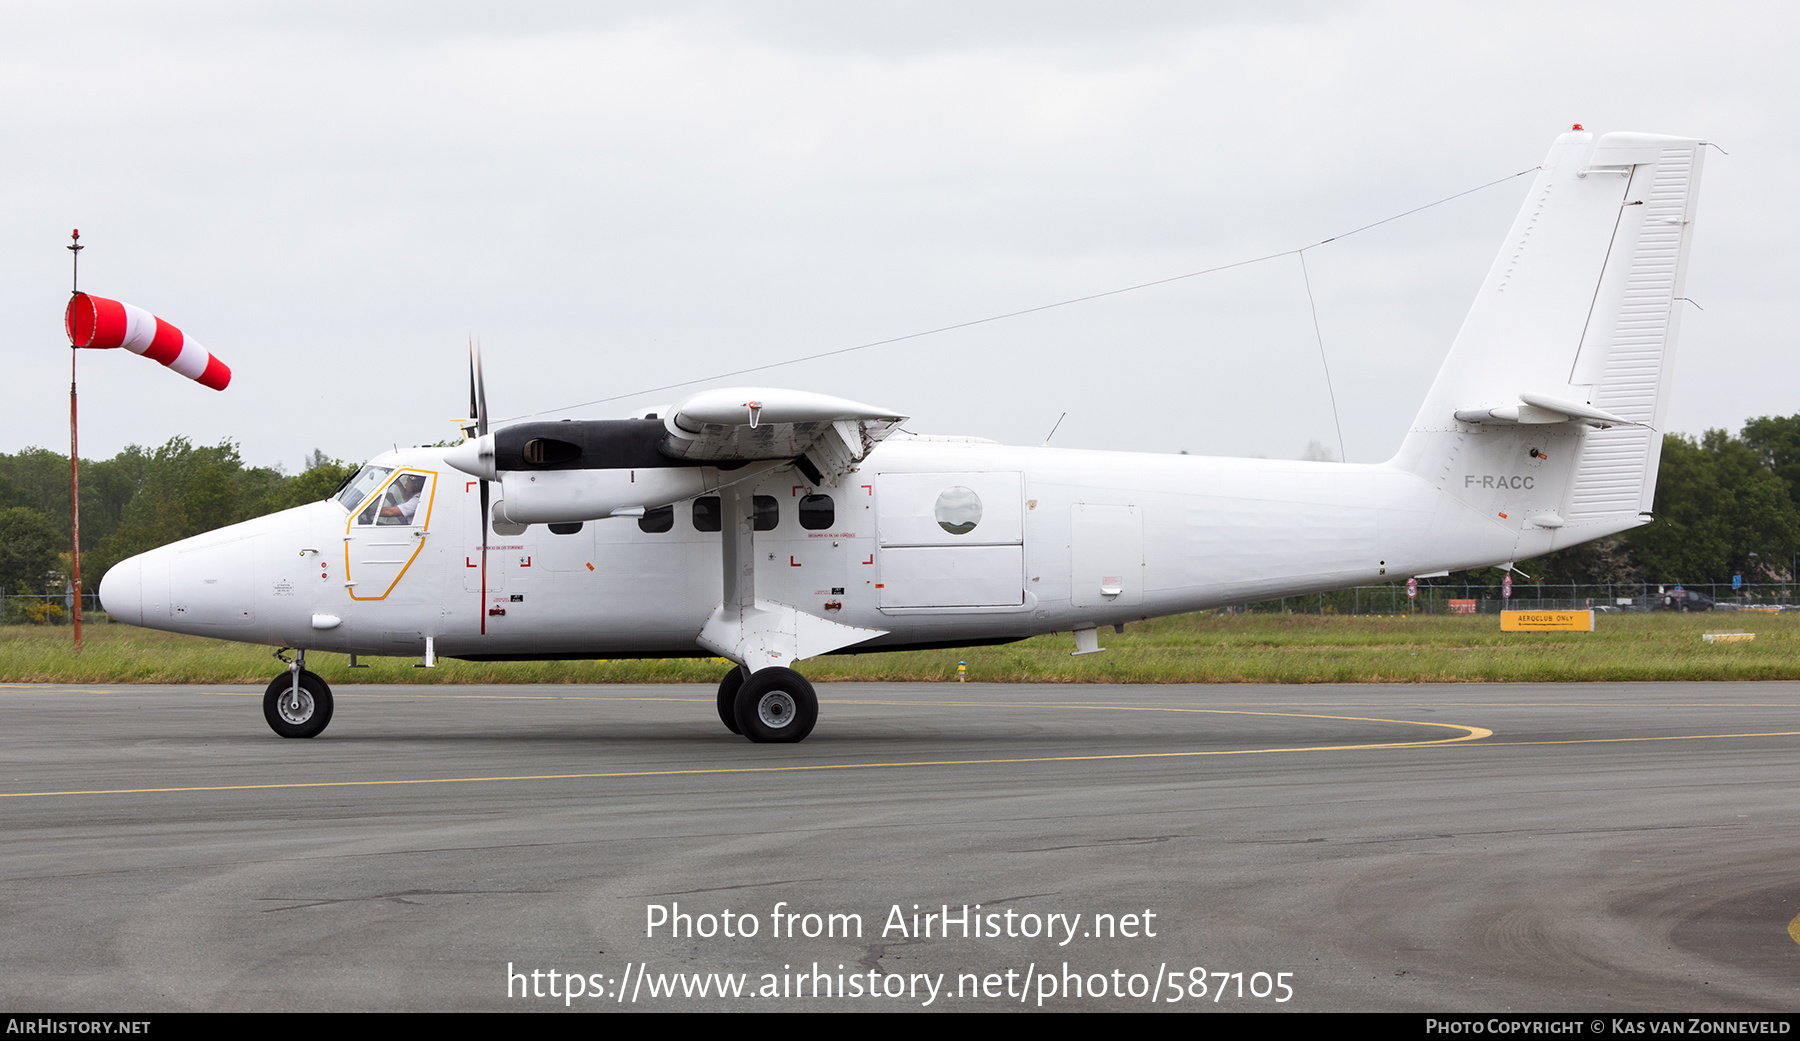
(565, 529)
(708, 514)
(817, 512)
(658, 520)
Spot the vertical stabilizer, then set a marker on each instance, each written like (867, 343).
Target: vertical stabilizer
(1547, 415)
(1628, 349)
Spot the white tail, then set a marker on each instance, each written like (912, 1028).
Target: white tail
(1547, 415)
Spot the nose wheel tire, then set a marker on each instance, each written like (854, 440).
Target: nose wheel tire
(728, 691)
(776, 705)
(305, 716)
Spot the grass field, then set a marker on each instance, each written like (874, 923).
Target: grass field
(1198, 648)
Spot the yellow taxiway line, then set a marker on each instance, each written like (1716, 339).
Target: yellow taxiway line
(1468, 733)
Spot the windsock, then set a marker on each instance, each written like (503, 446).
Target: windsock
(97, 322)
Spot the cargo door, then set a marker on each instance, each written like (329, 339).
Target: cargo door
(951, 539)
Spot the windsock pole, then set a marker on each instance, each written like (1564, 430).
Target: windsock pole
(93, 321)
(74, 445)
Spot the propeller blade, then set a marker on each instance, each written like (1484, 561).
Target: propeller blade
(478, 416)
(483, 608)
(480, 392)
(473, 413)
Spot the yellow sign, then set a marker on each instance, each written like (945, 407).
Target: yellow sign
(1546, 621)
(1729, 637)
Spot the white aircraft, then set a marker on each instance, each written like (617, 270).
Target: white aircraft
(769, 526)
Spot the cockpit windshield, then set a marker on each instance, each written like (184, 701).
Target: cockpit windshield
(367, 481)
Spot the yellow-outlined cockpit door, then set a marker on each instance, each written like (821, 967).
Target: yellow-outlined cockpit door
(386, 532)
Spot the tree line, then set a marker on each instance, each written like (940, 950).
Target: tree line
(1725, 505)
(137, 500)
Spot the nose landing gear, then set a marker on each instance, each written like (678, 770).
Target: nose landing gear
(297, 703)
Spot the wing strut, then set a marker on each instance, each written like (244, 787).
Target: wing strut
(757, 633)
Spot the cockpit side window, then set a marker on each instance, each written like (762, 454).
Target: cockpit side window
(402, 502)
(369, 479)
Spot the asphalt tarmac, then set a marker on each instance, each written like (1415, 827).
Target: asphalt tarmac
(1483, 848)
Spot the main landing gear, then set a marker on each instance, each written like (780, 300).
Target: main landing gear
(297, 703)
(772, 705)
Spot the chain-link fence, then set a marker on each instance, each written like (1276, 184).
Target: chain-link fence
(48, 609)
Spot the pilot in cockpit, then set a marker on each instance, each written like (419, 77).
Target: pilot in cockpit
(402, 500)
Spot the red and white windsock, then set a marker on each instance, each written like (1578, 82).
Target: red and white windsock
(94, 321)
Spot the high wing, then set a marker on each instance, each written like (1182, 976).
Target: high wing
(826, 436)
(584, 470)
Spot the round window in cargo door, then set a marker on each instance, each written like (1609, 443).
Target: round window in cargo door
(958, 510)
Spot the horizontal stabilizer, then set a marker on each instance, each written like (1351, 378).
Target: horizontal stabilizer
(1542, 408)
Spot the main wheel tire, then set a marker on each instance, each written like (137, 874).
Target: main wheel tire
(728, 691)
(776, 705)
(306, 719)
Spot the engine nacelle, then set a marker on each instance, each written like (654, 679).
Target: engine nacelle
(553, 496)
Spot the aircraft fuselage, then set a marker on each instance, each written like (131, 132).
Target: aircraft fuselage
(1064, 540)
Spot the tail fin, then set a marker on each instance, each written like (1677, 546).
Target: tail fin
(1552, 399)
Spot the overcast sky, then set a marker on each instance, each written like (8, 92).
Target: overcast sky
(612, 197)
